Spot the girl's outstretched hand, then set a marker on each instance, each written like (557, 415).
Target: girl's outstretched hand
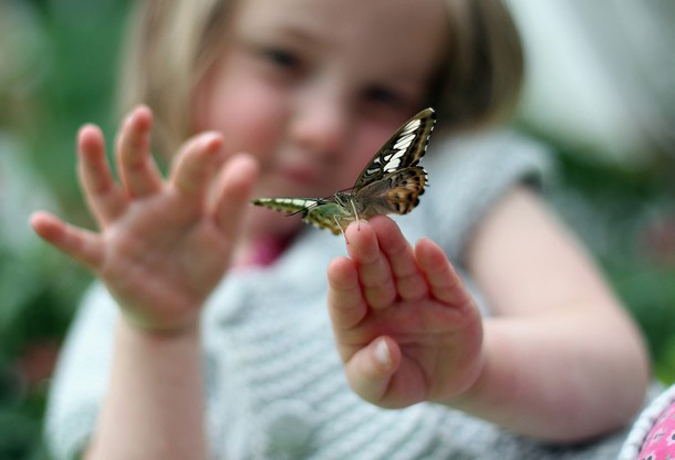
(406, 328)
(162, 245)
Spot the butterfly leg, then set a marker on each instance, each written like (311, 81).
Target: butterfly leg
(356, 215)
(337, 222)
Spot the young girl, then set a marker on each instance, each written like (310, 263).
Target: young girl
(209, 334)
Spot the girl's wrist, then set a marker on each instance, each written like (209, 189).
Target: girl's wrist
(140, 325)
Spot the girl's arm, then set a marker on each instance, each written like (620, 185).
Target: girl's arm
(154, 407)
(562, 359)
(162, 247)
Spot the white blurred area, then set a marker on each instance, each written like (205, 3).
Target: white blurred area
(601, 76)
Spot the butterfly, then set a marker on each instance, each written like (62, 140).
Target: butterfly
(390, 183)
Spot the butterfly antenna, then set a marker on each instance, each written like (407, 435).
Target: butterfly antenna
(305, 208)
(290, 214)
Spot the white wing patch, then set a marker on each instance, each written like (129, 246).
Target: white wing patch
(296, 201)
(404, 142)
(393, 161)
(412, 126)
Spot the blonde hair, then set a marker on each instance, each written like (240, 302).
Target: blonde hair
(482, 75)
(169, 49)
(172, 44)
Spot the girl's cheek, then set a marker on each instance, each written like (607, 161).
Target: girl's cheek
(251, 117)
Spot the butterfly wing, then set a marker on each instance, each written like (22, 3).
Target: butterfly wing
(323, 213)
(397, 192)
(288, 205)
(403, 150)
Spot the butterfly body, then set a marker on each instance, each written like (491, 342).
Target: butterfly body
(390, 183)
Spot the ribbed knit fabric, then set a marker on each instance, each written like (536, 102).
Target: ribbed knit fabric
(276, 387)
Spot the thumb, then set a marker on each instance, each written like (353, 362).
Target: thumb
(370, 370)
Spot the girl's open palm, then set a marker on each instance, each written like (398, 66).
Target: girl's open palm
(406, 328)
(163, 245)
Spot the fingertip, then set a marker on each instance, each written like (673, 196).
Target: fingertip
(39, 218)
(389, 234)
(89, 135)
(211, 141)
(143, 109)
(44, 224)
(426, 241)
(240, 174)
(358, 226)
(383, 222)
(335, 267)
(142, 116)
(361, 234)
(81, 245)
(428, 250)
(88, 129)
(342, 273)
(238, 177)
(36, 217)
(363, 245)
(137, 120)
(235, 186)
(247, 165)
(36, 220)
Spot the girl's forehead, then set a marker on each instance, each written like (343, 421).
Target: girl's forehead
(382, 28)
(399, 16)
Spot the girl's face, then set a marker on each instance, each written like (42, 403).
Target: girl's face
(312, 88)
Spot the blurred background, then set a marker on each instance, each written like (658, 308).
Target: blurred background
(600, 91)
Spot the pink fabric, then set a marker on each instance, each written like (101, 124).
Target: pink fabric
(660, 442)
(264, 253)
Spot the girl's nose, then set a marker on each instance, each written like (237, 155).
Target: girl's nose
(321, 124)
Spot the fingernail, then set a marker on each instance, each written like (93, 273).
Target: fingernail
(382, 353)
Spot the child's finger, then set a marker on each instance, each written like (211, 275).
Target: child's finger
(374, 271)
(346, 304)
(370, 369)
(105, 198)
(444, 282)
(196, 163)
(410, 283)
(80, 244)
(235, 189)
(136, 167)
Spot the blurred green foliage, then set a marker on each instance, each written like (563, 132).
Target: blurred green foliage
(65, 54)
(626, 217)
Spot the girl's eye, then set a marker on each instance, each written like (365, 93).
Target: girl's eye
(381, 96)
(283, 59)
